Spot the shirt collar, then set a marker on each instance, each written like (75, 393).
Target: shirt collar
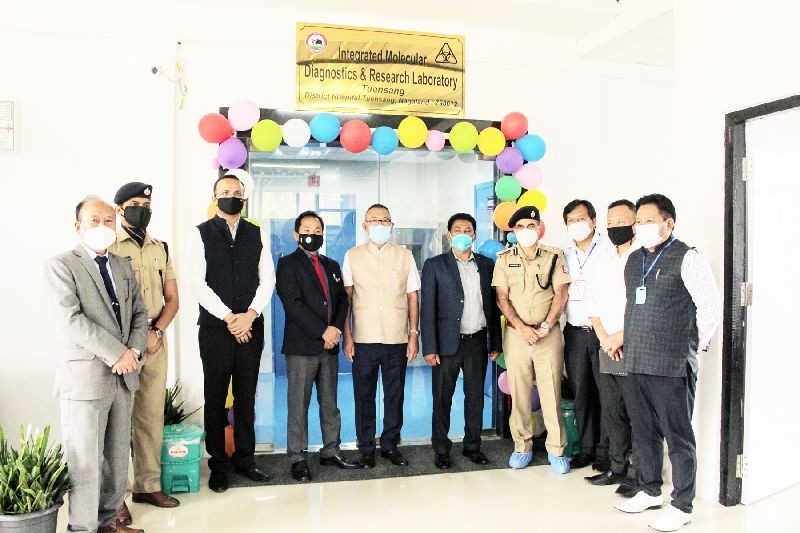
(235, 226)
(470, 258)
(123, 235)
(92, 253)
(595, 240)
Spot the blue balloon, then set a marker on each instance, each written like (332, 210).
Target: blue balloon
(511, 237)
(384, 140)
(325, 127)
(490, 248)
(532, 147)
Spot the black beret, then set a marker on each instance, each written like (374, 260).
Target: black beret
(529, 211)
(134, 189)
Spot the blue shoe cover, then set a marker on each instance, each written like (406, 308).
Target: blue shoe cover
(520, 459)
(560, 465)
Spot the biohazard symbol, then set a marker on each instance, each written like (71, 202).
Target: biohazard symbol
(446, 55)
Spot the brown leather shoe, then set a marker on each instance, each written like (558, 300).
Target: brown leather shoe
(159, 499)
(118, 528)
(124, 515)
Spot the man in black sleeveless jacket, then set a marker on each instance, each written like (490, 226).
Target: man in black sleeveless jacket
(673, 307)
(232, 276)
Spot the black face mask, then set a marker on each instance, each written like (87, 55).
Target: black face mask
(137, 216)
(310, 242)
(620, 234)
(230, 206)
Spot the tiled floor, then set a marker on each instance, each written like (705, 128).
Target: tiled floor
(531, 500)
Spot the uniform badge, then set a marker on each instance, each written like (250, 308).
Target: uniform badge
(147, 191)
(515, 264)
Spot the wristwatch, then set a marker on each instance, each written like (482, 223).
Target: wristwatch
(413, 332)
(544, 325)
(158, 332)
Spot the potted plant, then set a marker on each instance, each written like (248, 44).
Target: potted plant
(173, 409)
(33, 481)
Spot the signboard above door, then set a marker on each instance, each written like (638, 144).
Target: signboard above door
(369, 70)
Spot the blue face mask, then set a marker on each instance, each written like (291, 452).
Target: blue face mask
(379, 234)
(461, 242)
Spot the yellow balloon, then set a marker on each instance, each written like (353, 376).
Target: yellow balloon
(463, 137)
(535, 198)
(212, 210)
(412, 132)
(229, 399)
(491, 141)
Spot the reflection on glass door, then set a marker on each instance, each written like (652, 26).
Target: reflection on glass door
(421, 189)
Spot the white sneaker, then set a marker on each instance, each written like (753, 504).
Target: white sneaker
(639, 503)
(671, 520)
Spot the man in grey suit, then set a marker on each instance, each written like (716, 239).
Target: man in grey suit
(104, 321)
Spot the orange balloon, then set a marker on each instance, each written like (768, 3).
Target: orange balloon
(212, 210)
(502, 214)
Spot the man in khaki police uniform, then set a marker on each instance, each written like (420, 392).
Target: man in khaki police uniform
(531, 281)
(152, 266)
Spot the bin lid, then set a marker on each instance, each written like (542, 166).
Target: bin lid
(185, 431)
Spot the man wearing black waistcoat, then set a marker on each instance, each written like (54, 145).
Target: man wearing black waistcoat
(315, 302)
(460, 325)
(673, 307)
(232, 276)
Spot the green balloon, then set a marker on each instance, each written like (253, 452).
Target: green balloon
(463, 137)
(501, 361)
(507, 188)
(266, 135)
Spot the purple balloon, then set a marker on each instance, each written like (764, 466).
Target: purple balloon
(231, 153)
(502, 382)
(509, 161)
(536, 402)
(230, 416)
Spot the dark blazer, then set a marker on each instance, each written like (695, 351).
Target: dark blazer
(442, 303)
(304, 302)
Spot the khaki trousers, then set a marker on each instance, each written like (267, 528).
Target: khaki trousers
(543, 362)
(148, 422)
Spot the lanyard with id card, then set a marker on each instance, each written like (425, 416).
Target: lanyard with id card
(577, 289)
(641, 291)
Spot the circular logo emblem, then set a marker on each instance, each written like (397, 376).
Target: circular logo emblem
(316, 42)
(179, 451)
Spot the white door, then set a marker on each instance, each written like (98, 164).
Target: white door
(772, 377)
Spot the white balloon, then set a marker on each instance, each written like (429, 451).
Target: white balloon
(296, 132)
(245, 177)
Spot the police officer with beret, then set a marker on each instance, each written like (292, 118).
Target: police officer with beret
(531, 281)
(152, 266)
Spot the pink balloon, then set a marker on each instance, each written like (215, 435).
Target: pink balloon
(435, 140)
(529, 175)
(502, 382)
(214, 163)
(243, 115)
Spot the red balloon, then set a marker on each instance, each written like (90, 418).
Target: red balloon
(355, 136)
(214, 128)
(514, 125)
(541, 229)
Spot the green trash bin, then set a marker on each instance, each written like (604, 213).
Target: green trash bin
(181, 453)
(573, 437)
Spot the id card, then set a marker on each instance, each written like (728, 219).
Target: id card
(577, 290)
(641, 295)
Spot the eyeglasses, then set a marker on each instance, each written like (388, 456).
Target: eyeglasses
(533, 227)
(228, 194)
(380, 222)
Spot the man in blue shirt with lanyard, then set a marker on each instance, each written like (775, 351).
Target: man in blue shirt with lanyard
(581, 345)
(673, 307)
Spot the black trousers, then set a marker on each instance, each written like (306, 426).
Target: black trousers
(617, 423)
(583, 369)
(471, 357)
(223, 358)
(391, 360)
(661, 408)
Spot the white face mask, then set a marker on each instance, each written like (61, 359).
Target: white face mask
(99, 238)
(527, 237)
(579, 230)
(648, 235)
(380, 234)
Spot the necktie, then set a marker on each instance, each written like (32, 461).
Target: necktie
(321, 276)
(102, 262)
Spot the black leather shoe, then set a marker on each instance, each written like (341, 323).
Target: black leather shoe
(218, 482)
(397, 458)
(300, 472)
(628, 488)
(253, 473)
(338, 461)
(602, 464)
(581, 461)
(606, 478)
(442, 461)
(476, 457)
(367, 460)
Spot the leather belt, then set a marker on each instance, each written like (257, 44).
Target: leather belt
(471, 335)
(582, 328)
(534, 326)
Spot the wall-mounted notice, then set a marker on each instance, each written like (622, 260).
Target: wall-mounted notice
(6, 125)
(369, 70)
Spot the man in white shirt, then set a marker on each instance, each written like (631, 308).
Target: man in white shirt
(607, 309)
(580, 342)
(232, 276)
(382, 282)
